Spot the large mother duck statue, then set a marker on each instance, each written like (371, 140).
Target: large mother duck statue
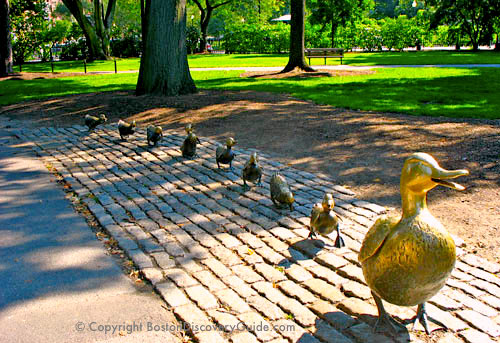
(406, 260)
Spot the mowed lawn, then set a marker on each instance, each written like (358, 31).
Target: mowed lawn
(452, 92)
(279, 60)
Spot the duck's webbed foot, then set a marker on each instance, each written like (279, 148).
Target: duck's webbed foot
(422, 318)
(385, 321)
(312, 234)
(339, 242)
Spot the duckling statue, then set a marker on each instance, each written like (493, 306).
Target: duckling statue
(92, 121)
(125, 129)
(225, 155)
(281, 195)
(324, 220)
(154, 134)
(252, 171)
(188, 147)
(406, 260)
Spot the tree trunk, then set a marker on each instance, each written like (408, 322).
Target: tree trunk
(97, 37)
(296, 57)
(164, 67)
(334, 30)
(5, 40)
(497, 44)
(204, 21)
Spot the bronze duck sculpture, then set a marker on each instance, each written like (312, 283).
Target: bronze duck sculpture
(281, 195)
(125, 129)
(406, 260)
(252, 171)
(154, 134)
(188, 147)
(324, 220)
(225, 155)
(91, 121)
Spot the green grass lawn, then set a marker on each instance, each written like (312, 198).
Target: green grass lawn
(452, 92)
(256, 60)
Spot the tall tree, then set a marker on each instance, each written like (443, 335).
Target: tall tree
(5, 39)
(474, 18)
(296, 58)
(97, 31)
(205, 16)
(336, 13)
(164, 67)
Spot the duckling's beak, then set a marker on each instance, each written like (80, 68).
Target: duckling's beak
(441, 177)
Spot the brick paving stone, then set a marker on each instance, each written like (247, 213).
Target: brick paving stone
(492, 301)
(472, 303)
(474, 336)
(171, 294)
(203, 298)
(479, 262)
(324, 290)
(219, 269)
(461, 275)
(299, 312)
(246, 273)
(364, 333)
(270, 273)
(480, 322)
(356, 289)
(228, 322)
(228, 240)
(140, 259)
(445, 302)
(465, 287)
(352, 272)
(209, 337)
(251, 240)
(163, 259)
(267, 308)
(275, 243)
(258, 230)
(483, 275)
(296, 291)
(154, 275)
(198, 252)
(282, 233)
(239, 286)
(270, 291)
(270, 255)
(297, 273)
(486, 286)
(357, 307)
(226, 256)
(331, 260)
(229, 298)
(173, 249)
(327, 274)
(332, 315)
(137, 232)
(244, 337)
(258, 326)
(150, 245)
(249, 255)
(328, 334)
(290, 330)
(180, 277)
(207, 279)
(189, 264)
(445, 317)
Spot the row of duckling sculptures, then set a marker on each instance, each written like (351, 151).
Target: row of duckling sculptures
(405, 259)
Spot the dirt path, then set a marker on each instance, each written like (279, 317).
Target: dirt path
(361, 150)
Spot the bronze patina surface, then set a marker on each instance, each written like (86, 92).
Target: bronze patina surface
(324, 220)
(281, 195)
(252, 171)
(91, 121)
(154, 134)
(125, 129)
(407, 260)
(188, 147)
(225, 155)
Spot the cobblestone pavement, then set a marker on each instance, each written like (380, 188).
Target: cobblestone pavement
(219, 255)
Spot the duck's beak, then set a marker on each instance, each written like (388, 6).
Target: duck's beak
(441, 177)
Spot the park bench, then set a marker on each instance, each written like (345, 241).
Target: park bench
(324, 53)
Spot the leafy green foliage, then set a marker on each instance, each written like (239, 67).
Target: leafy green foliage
(260, 38)
(27, 26)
